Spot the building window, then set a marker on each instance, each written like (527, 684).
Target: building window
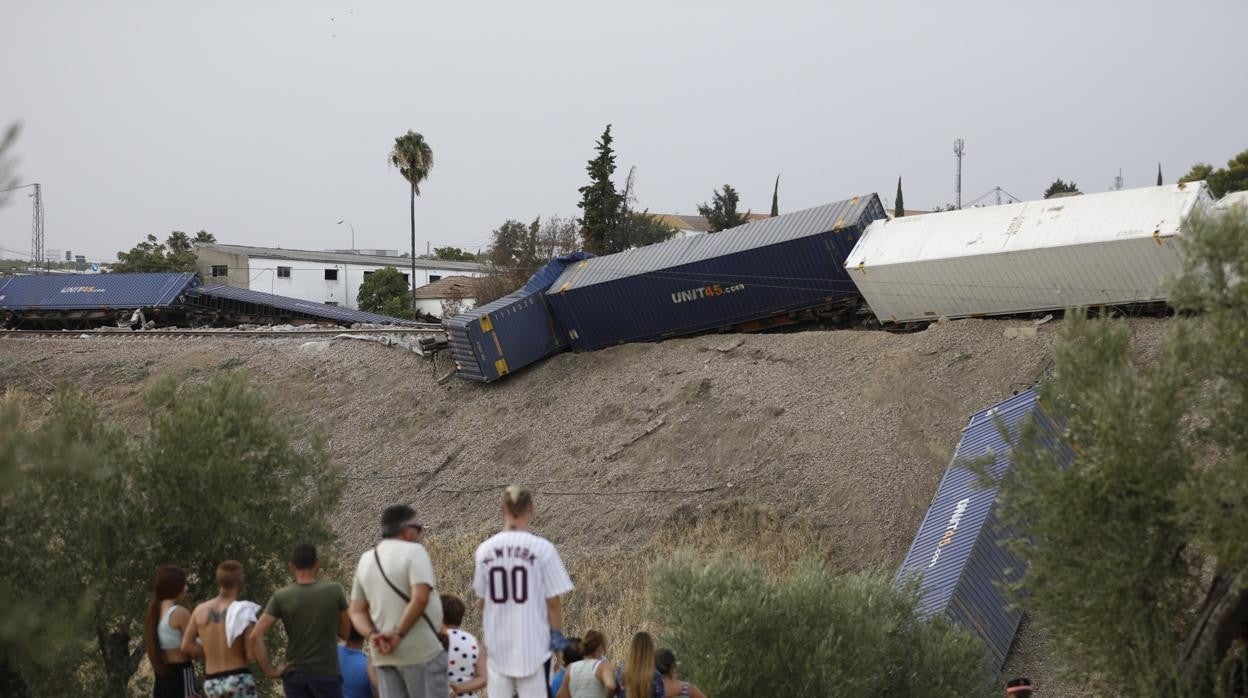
(331, 302)
(367, 273)
(435, 277)
(220, 270)
(331, 274)
(407, 279)
(283, 272)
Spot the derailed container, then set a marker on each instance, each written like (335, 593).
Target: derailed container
(756, 271)
(958, 558)
(505, 335)
(1111, 248)
(96, 291)
(271, 307)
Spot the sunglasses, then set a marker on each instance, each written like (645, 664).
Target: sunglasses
(418, 527)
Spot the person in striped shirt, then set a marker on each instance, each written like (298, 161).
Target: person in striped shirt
(519, 578)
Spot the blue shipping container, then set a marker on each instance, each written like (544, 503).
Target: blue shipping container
(758, 270)
(224, 297)
(96, 291)
(505, 335)
(957, 556)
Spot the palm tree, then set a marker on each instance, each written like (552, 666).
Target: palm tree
(414, 158)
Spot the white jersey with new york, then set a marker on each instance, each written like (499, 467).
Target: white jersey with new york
(516, 572)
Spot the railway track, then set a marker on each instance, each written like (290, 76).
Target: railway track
(425, 328)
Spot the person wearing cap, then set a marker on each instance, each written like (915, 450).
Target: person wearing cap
(394, 605)
(1019, 688)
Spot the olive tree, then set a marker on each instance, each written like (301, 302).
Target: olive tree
(212, 476)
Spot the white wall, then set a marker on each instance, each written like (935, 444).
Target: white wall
(307, 279)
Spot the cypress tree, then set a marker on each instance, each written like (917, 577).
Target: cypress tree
(1159, 174)
(775, 199)
(600, 202)
(899, 209)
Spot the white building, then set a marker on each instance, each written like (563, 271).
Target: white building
(448, 296)
(332, 278)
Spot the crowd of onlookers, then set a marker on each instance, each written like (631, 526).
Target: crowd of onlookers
(396, 636)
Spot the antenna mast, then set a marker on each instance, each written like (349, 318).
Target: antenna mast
(36, 234)
(958, 150)
(1118, 180)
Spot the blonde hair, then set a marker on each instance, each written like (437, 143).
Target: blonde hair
(639, 667)
(517, 500)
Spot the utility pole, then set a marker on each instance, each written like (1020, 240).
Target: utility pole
(427, 253)
(1118, 180)
(36, 232)
(958, 150)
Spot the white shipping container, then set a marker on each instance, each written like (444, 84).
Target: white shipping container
(1096, 249)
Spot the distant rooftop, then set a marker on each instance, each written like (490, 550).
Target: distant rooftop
(450, 287)
(370, 251)
(908, 212)
(697, 223)
(341, 257)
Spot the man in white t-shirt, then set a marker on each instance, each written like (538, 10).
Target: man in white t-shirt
(519, 578)
(393, 604)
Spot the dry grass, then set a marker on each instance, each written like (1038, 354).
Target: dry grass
(613, 581)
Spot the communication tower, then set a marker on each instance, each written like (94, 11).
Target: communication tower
(958, 150)
(36, 232)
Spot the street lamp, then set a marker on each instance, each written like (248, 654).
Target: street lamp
(346, 275)
(352, 227)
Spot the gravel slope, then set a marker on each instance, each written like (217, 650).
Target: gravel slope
(850, 430)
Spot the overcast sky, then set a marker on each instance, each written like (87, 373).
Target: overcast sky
(267, 122)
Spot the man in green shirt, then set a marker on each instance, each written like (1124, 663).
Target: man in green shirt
(314, 614)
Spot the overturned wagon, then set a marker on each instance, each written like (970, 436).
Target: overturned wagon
(958, 559)
(1113, 248)
(753, 272)
(505, 335)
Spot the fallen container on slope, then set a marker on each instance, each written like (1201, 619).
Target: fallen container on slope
(1111, 248)
(756, 271)
(958, 559)
(505, 335)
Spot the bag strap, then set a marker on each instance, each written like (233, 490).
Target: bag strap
(382, 570)
(405, 597)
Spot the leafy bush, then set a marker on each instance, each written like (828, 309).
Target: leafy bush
(384, 288)
(1120, 545)
(814, 633)
(98, 507)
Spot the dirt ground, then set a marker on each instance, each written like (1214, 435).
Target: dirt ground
(847, 432)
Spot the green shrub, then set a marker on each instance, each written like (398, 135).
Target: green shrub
(90, 509)
(815, 633)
